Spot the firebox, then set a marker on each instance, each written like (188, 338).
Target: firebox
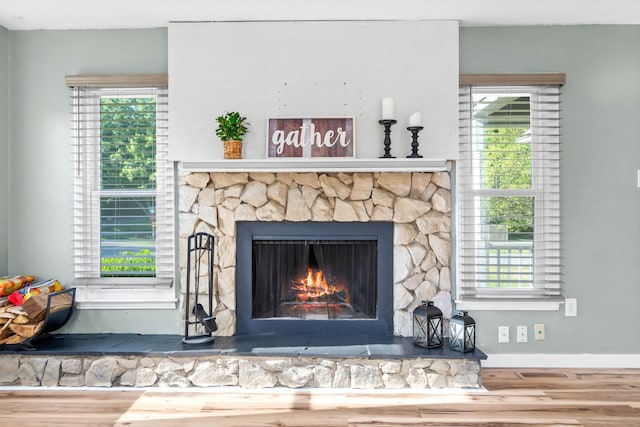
(314, 278)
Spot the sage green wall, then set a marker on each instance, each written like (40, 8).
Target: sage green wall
(600, 199)
(41, 180)
(601, 154)
(4, 151)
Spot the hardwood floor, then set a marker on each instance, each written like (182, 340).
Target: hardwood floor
(520, 397)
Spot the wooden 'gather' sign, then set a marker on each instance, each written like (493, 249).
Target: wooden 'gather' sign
(311, 137)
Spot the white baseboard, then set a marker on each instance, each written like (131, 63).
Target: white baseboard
(562, 361)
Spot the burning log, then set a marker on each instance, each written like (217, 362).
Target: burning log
(315, 287)
(336, 297)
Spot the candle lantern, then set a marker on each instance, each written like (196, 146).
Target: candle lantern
(462, 332)
(427, 325)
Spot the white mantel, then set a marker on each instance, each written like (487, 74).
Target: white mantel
(319, 165)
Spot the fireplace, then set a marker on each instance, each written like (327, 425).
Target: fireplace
(314, 278)
(416, 205)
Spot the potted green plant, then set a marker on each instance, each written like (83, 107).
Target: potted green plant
(231, 128)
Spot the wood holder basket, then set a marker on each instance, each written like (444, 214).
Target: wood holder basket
(51, 311)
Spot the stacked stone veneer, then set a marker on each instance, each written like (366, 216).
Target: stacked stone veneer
(247, 372)
(419, 205)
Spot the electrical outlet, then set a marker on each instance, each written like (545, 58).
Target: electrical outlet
(570, 307)
(503, 334)
(539, 331)
(521, 334)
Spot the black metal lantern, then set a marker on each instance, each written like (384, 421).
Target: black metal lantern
(427, 326)
(462, 332)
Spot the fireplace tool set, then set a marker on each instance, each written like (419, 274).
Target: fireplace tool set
(199, 323)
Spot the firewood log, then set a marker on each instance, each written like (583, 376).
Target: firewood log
(15, 309)
(21, 320)
(14, 339)
(27, 331)
(5, 331)
(6, 318)
(36, 306)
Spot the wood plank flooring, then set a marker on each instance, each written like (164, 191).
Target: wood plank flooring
(513, 397)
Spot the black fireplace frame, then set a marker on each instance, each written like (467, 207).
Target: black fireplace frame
(248, 231)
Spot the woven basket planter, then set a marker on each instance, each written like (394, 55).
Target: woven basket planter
(233, 149)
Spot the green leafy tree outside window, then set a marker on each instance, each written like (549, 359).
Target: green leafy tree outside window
(128, 140)
(128, 162)
(506, 164)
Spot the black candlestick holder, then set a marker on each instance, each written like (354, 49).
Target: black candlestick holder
(414, 143)
(387, 137)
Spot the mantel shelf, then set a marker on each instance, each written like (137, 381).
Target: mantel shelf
(318, 165)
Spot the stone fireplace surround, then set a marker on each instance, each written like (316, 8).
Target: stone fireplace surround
(419, 206)
(418, 203)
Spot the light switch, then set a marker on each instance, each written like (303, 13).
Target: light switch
(521, 334)
(503, 334)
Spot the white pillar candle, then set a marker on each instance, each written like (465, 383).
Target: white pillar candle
(414, 119)
(387, 108)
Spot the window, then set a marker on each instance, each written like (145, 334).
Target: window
(508, 196)
(123, 197)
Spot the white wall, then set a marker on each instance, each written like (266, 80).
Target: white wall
(313, 69)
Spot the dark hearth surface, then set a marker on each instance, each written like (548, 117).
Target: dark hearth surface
(376, 346)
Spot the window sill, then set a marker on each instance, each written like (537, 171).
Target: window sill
(510, 304)
(125, 294)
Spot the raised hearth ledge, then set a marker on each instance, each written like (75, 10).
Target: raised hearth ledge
(130, 360)
(319, 165)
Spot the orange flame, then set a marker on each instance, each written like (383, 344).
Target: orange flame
(313, 286)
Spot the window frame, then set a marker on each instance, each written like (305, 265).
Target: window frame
(124, 292)
(535, 298)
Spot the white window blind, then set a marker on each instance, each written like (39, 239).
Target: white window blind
(508, 186)
(123, 185)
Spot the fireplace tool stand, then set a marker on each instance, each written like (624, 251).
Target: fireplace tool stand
(199, 323)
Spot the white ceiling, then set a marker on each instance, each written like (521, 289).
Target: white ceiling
(81, 14)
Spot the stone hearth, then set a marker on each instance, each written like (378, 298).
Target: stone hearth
(247, 372)
(418, 203)
(259, 361)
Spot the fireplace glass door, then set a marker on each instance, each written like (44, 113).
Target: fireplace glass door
(314, 279)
